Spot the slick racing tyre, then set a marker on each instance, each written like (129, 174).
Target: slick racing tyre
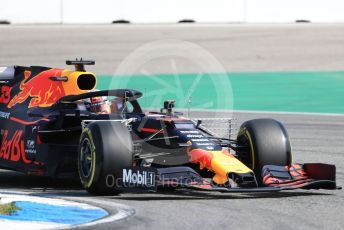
(105, 148)
(265, 142)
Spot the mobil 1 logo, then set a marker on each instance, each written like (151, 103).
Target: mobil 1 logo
(139, 178)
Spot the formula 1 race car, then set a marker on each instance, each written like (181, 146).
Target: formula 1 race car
(54, 123)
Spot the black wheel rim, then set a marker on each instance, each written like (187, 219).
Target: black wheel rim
(86, 158)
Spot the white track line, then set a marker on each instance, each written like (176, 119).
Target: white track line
(287, 113)
(123, 212)
(261, 112)
(184, 111)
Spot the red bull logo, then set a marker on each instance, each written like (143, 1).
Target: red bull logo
(12, 148)
(41, 89)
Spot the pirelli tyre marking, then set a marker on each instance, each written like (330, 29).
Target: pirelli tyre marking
(91, 158)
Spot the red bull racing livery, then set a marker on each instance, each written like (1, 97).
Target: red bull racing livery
(55, 123)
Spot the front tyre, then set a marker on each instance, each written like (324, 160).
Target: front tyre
(105, 148)
(265, 142)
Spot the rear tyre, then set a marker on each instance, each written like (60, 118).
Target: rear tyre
(105, 148)
(266, 142)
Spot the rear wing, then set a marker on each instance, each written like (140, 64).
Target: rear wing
(6, 74)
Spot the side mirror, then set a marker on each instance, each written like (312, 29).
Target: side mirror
(199, 122)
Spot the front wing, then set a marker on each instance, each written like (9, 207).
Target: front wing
(274, 179)
(304, 176)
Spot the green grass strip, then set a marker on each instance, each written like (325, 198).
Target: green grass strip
(8, 208)
(315, 92)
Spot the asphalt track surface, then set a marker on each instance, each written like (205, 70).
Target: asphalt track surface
(239, 48)
(314, 139)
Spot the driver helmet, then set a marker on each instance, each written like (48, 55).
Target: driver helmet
(98, 105)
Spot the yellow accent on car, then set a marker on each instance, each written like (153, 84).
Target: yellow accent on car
(72, 85)
(223, 163)
(89, 134)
